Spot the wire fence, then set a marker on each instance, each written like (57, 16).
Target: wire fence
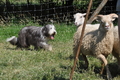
(42, 11)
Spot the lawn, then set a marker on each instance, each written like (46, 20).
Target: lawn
(17, 64)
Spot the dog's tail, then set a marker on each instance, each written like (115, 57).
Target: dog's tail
(13, 40)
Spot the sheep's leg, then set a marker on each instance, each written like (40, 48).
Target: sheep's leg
(103, 66)
(104, 60)
(86, 61)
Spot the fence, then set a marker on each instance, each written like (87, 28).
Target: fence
(43, 11)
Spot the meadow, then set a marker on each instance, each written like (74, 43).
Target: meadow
(17, 64)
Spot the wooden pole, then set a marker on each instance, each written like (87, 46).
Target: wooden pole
(119, 30)
(102, 4)
(81, 37)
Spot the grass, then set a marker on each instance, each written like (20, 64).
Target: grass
(17, 64)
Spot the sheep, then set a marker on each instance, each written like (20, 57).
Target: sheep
(116, 48)
(98, 42)
(90, 27)
(79, 19)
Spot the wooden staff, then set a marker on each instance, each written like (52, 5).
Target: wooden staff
(119, 30)
(81, 37)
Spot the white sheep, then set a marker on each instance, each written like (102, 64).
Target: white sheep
(116, 49)
(98, 43)
(79, 19)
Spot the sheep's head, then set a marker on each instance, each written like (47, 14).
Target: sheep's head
(106, 20)
(79, 19)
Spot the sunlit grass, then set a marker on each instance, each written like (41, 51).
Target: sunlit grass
(17, 64)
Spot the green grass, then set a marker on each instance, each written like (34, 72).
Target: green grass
(17, 64)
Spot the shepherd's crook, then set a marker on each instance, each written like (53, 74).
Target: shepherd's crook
(78, 51)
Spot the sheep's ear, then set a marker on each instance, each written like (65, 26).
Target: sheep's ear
(74, 15)
(113, 16)
(98, 18)
(84, 14)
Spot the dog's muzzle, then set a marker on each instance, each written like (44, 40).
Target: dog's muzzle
(52, 36)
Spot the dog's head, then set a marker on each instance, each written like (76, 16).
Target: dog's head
(49, 31)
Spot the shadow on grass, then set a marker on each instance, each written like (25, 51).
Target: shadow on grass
(80, 68)
(21, 49)
(11, 48)
(4, 64)
(113, 67)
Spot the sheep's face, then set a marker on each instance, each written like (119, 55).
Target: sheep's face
(106, 20)
(79, 19)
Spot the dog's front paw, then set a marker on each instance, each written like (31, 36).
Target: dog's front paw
(50, 48)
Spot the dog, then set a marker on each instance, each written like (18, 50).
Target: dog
(36, 36)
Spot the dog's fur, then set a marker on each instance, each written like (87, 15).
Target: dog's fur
(36, 36)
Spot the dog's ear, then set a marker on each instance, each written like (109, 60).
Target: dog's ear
(44, 29)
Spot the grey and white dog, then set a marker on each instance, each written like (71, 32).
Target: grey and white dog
(36, 36)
